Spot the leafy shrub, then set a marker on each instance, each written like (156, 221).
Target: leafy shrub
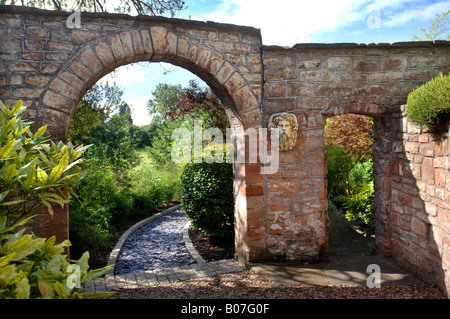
(207, 197)
(339, 166)
(360, 206)
(33, 267)
(105, 202)
(35, 173)
(427, 104)
(149, 190)
(361, 173)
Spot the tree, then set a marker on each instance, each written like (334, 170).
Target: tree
(438, 29)
(351, 132)
(164, 97)
(96, 107)
(142, 7)
(200, 103)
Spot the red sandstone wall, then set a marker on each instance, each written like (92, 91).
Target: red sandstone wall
(420, 207)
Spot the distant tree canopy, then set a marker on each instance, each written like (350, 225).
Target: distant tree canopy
(200, 103)
(143, 7)
(353, 133)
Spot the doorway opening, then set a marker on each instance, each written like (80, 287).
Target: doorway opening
(349, 143)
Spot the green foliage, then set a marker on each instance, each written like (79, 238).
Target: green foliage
(150, 188)
(164, 96)
(350, 189)
(339, 166)
(207, 197)
(105, 202)
(428, 103)
(35, 172)
(360, 206)
(96, 107)
(349, 144)
(35, 268)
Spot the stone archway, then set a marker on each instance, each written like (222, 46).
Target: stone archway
(227, 58)
(282, 215)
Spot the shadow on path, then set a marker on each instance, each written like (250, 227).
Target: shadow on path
(350, 255)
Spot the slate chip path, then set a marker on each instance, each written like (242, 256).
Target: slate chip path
(158, 244)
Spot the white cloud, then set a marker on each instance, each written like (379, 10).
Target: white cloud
(422, 13)
(286, 22)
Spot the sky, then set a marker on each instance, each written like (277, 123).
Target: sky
(285, 23)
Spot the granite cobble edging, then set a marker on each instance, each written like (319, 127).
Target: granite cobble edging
(151, 278)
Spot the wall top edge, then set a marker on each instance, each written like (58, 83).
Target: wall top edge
(7, 9)
(395, 45)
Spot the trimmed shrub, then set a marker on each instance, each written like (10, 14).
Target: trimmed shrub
(428, 103)
(207, 197)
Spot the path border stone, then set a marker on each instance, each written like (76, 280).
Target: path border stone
(151, 278)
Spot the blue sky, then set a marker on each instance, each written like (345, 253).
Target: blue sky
(286, 22)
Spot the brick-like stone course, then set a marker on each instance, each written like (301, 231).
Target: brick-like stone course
(420, 204)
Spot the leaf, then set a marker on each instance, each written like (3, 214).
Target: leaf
(41, 176)
(17, 224)
(5, 260)
(17, 107)
(40, 132)
(96, 273)
(24, 246)
(23, 289)
(45, 287)
(49, 207)
(59, 169)
(31, 177)
(3, 195)
(60, 290)
(83, 263)
(10, 172)
(4, 151)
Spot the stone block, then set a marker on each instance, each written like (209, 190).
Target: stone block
(366, 65)
(428, 170)
(397, 63)
(90, 60)
(338, 62)
(103, 52)
(280, 73)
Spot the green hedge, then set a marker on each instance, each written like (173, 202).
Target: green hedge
(207, 197)
(428, 103)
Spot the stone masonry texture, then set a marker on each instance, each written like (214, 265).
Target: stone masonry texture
(279, 216)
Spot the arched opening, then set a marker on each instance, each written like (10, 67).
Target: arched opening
(132, 172)
(186, 49)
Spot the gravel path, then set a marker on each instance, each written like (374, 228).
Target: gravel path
(157, 244)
